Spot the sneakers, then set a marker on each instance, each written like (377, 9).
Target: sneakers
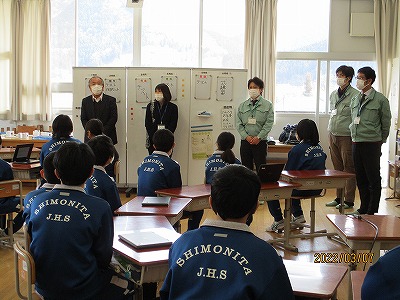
(345, 206)
(333, 203)
(354, 213)
(276, 226)
(299, 219)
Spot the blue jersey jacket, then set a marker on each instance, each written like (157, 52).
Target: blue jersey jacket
(100, 184)
(214, 163)
(72, 235)
(30, 197)
(158, 171)
(53, 145)
(224, 260)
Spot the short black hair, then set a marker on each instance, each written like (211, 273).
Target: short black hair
(225, 142)
(74, 163)
(165, 90)
(307, 130)
(48, 168)
(102, 147)
(163, 140)
(234, 192)
(62, 127)
(257, 81)
(1, 141)
(368, 72)
(95, 126)
(346, 71)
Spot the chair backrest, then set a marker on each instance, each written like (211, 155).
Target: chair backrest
(25, 128)
(10, 188)
(116, 170)
(24, 269)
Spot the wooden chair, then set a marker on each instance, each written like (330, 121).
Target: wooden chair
(116, 170)
(10, 188)
(24, 271)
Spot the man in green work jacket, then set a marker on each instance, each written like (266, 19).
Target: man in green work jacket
(369, 129)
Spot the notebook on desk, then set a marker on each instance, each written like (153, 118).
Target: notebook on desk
(270, 172)
(156, 201)
(22, 154)
(144, 239)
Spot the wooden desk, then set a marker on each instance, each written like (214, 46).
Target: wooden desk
(314, 280)
(278, 153)
(8, 153)
(26, 171)
(359, 234)
(152, 263)
(198, 193)
(309, 180)
(14, 141)
(277, 190)
(357, 279)
(173, 211)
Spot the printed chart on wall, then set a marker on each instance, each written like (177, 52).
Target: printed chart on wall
(143, 89)
(112, 86)
(202, 87)
(228, 117)
(224, 88)
(202, 143)
(172, 82)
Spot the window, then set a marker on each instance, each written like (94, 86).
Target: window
(5, 57)
(303, 26)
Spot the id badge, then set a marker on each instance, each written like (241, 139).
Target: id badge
(252, 121)
(334, 112)
(160, 126)
(357, 120)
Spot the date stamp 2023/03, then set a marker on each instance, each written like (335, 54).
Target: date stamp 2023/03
(342, 257)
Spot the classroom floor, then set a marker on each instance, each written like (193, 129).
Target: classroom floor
(262, 219)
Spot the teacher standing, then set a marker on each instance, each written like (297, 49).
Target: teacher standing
(254, 122)
(160, 114)
(100, 106)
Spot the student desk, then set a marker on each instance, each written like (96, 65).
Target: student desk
(198, 193)
(277, 190)
(173, 211)
(357, 279)
(8, 153)
(26, 171)
(278, 153)
(313, 280)
(14, 141)
(309, 180)
(151, 263)
(359, 234)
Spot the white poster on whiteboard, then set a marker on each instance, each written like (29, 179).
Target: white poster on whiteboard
(171, 82)
(224, 88)
(144, 93)
(112, 87)
(202, 87)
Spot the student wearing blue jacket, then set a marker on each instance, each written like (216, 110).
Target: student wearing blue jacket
(62, 129)
(223, 259)
(72, 234)
(100, 184)
(307, 155)
(158, 170)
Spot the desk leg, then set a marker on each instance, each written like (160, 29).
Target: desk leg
(341, 208)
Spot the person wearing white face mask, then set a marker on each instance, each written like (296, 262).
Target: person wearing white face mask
(160, 114)
(100, 106)
(340, 144)
(370, 113)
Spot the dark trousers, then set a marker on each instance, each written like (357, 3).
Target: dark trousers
(367, 164)
(275, 209)
(253, 154)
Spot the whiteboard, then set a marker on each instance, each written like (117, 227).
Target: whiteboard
(224, 88)
(178, 79)
(202, 83)
(114, 85)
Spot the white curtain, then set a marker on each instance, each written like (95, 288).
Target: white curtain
(31, 60)
(260, 41)
(386, 35)
(5, 58)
